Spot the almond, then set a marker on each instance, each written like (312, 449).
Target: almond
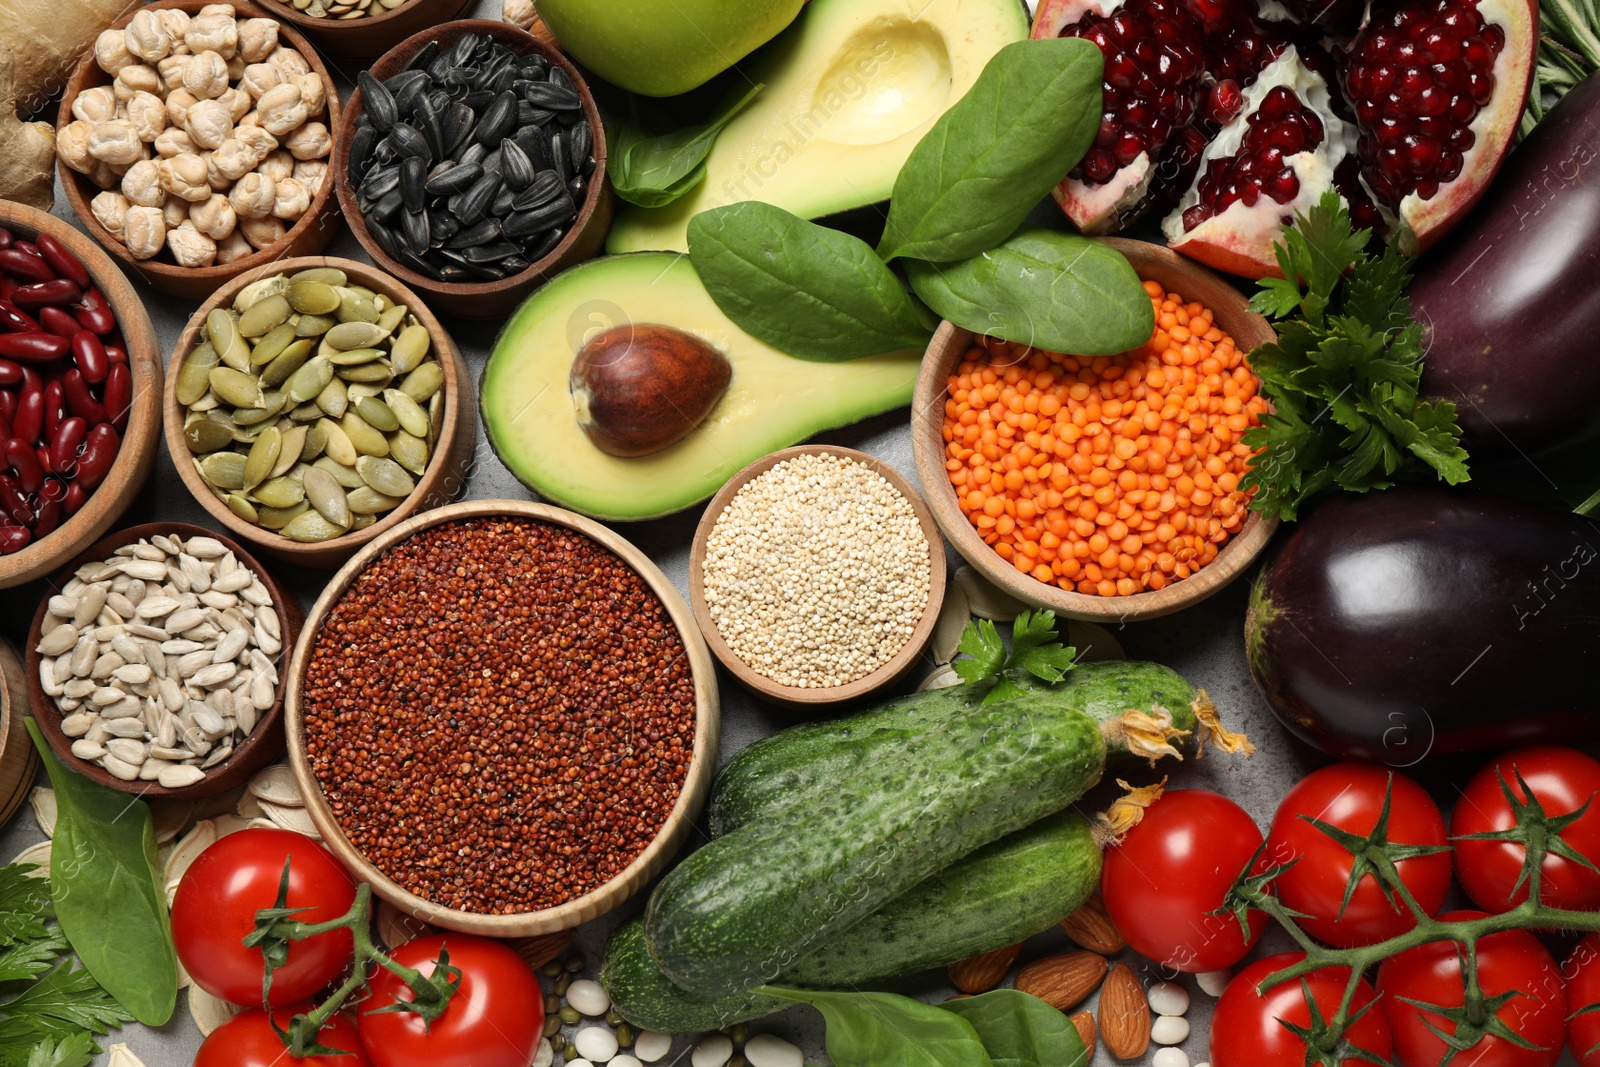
(1124, 1014)
(1064, 981)
(1084, 1021)
(1091, 927)
(979, 974)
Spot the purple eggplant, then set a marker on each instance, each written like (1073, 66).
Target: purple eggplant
(1508, 302)
(1417, 622)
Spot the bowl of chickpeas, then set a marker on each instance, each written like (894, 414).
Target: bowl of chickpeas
(1108, 487)
(194, 141)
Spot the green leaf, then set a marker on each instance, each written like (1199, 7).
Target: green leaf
(808, 291)
(981, 641)
(1054, 291)
(75, 1050)
(25, 959)
(66, 1001)
(24, 904)
(988, 161)
(1018, 1030)
(655, 171)
(1033, 648)
(885, 1030)
(108, 896)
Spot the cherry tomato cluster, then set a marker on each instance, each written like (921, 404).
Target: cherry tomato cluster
(494, 1019)
(1347, 846)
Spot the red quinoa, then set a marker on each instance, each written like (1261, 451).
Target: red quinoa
(500, 713)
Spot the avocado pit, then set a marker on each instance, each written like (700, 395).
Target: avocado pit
(639, 388)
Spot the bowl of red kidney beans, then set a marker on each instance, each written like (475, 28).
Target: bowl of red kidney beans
(80, 393)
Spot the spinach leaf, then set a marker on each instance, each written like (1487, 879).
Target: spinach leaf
(808, 291)
(885, 1030)
(108, 898)
(1054, 291)
(992, 157)
(655, 171)
(1021, 1031)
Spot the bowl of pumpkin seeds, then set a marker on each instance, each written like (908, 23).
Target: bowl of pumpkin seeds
(313, 403)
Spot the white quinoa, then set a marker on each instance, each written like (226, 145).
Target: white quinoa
(817, 571)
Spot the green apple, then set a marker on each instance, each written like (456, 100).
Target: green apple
(664, 47)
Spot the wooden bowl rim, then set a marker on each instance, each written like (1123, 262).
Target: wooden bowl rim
(286, 12)
(1176, 273)
(697, 778)
(401, 54)
(13, 710)
(885, 675)
(456, 378)
(49, 716)
(74, 184)
(123, 481)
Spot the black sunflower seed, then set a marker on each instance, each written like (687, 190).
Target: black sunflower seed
(362, 142)
(414, 227)
(418, 264)
(514, 264)
(408, 141)
(489, 272)
(559, 77)
(441, 224)
(504, 203)
(413, 176)
(552, 97)
(425, 57)
(406, 79)
(458, 179)
(379, 182)
(484, 232)
(579, 143)
(425, 118)
(527, 223)
(497, 120)
(491, 162)
(546, 187)
(489, 252)
(532, 141)
(472, 205)
(462, 51)
(458, 121)
(558, 155)
(384, 236)
(377, 101)
(474, 153)
(384, 208)
(515, 166)
(478, 99)
(363, 120)
(534, 66)
(454, 274)
(546, 245)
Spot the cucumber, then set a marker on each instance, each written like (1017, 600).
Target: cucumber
(804, 758)
(738, 912)
(994, 897)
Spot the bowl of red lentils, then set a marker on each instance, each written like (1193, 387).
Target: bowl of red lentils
(502, 716)
(1107, 486)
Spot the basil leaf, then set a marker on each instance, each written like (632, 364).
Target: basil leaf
(990, 159)
(1019, 1030)
(108, 897)
(808, 291)
(1054, 291)
(654, 171)
(885, 1030)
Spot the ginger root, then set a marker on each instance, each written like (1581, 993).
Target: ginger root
(39, 45)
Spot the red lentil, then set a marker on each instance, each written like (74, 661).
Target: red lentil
(500, 714)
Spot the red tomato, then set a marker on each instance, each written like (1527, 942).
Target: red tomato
(248, 1040)
(1562, 780)
(1582, 972)
(1349, 796)
(1245, 1026)
(216, 908)
(1172, 870)
(1513, 960)
(496, 1018)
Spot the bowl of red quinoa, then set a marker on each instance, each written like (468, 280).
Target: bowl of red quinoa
(503, 717)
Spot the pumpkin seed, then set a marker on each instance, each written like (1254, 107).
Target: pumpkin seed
(278, 518)
(410, 415)
(206, 403)
(327, 496)
(240, 505)
(280, 493)
(263, 456)
(236, 387)
(377, 414)
(334, 399)
(285, 363)
(348, 335)
(337, 445)
(354, 356)
(204, 435)
(224, 470)
(375, 371)
(390, 318)
(310, 527)
(325, 275)
(294, 443)
(410, 451)
(386, 476)
(265, 287)
(313, 298)
(307, 412)
(345, 475)
(314, 325)
(362, 522)
(423, 382)
(195, 376)
(310, 380)
(316, 441)
(409, 349)
(271, 404)
(223, 332)
(272, 345)
(263, 316)
(358, 307)
(366, 440)
(366, 500)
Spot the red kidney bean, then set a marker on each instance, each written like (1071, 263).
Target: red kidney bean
(14, 539)
(64, 445)
(118, 394)
(28, 422)
(58, 322)
(57, 293)
(13, 502)
(62, 261)
(24, 265)
(22, 458)
(14, 321)
(35, 347)
(79, 400)
(53, 489)
(8, 285)
(46, 518)
(10, 373)
(116, 354)
(98, 456)
(90, 356)
(30, 247)
(94, 313)
(8, 408)
(54, 406)
(5, 237)
(76, 497)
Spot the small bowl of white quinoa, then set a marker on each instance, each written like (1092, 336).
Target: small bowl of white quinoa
(816, 575)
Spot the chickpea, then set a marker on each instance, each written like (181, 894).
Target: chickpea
(171, 70)
(111, 211)
(236, 67)
(262, 232)
(174, 211)
(148, 115)
(257, 39)
(233, 247)
(206, 75)
(136, 78)
(282, 109)
(176, 22)
(72, 145)
(213, 31)
(104, 175)
(258, 78)
(179, 101)
(147, 37)
(214, 217)
(233, 159)
(215, 178)
(173, 142)
(288, 60)
(238, 103)
(95, 105)
(253, 196)
(291, 200)
(257, 140)
(312, 90)
(142, 184)
(310, 141)
(116, 142)
(311, 173)
(111, 51)
(278, 165)
(185, 177)
(144, 232)
(190, 247)
(208, 123)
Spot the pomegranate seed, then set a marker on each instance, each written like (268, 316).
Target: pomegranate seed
(1280, 127)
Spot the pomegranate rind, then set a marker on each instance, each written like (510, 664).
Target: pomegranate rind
(1421, 223)
(1239, 239)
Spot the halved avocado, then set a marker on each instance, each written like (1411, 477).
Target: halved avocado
(772, 400)
(851, 88)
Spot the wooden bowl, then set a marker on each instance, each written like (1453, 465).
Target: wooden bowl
(489, 299)
(308, 236)
(19, 761)
(265, 743)
(374, 35)
(656, 855)
(447, 469)
(138, 452)
(950, 344)
(796, 696)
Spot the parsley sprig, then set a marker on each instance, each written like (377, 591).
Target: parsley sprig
(1034, 651)
(1344, 373)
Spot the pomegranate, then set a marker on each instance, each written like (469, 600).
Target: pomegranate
(1408, 120)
